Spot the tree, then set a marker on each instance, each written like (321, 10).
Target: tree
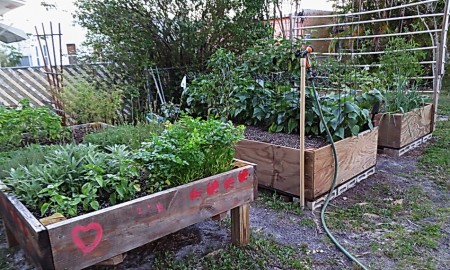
(9, 56)
(137, 34)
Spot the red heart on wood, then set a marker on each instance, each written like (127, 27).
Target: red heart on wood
(87, 248)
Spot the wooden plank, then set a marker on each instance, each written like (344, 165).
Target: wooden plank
(10, 238)
(398, 130)
(220, 216)
(262, 155)
(309, 174)
(27, 231)
(94, 237)
(240, 225)
(416, 124)
(286, 165)
(355, 154)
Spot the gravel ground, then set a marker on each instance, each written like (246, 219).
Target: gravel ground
(288, 140)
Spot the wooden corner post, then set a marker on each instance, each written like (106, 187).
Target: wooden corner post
(240, 225)
(302, 130)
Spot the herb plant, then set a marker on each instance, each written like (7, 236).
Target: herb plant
(26, 124)
(72, 178)
(129, 135)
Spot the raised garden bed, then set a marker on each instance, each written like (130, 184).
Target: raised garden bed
(398, 130)
(91, 238)
(279, 166)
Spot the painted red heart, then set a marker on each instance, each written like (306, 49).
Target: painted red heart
(87, 248)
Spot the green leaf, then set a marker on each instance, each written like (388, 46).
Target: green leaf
(355, 130)
(340, 133)
(292, 125)
(137, 187)
(44, 208)
(99, 180)
(86, 188)
(95, 205)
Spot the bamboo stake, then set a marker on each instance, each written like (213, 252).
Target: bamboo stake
(302, 131)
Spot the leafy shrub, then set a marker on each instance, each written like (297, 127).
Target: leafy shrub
(32, 154)
(76, 176)
(88, 102)
(26, 124)
(189, 150)
(403, 97)
(270, 96)
(129, 135)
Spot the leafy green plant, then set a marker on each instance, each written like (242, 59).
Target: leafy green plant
(188, 150)
(129, 135)
(85, 177)
(32, 154)
(25, 125)
(76, 176)
(403, 97)
(88, 102)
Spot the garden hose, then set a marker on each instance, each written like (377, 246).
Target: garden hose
(333, 185)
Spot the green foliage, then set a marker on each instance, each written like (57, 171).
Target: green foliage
(189, 150)
(129, 135)
(403, 97)
(9, 56)
(259, 88)
(74, 177)
(398, 62)
(27, 124)
(93, 102)
(32, 154)
(138, 34)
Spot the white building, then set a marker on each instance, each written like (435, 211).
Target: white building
(32, 14)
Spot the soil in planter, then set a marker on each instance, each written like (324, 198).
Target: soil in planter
(283, 139)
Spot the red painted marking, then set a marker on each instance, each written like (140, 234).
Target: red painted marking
(195, 193)
(87, 248)
(149, 206)
(229, 183)
(139, 211)
(212, 187)
(160, 207)
(243, 176)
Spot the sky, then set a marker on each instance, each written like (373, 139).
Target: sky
(33, 14)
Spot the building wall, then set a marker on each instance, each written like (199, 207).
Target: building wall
(283, 25)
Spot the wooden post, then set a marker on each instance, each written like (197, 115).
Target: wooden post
(302, 131)
(440, 64)
(240, 225)
(220, 216)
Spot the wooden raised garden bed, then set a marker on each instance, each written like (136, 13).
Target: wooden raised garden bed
(279, 167)
(400, 130)
(91, 238)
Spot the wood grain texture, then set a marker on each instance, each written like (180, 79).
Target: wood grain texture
(91, 238)
(355, 155)
(398, 130)
(26, 231)
(276, 165)
(240, 225)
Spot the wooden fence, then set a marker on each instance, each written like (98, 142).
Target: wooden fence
(31, 83)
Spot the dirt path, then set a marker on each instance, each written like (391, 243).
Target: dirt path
(397, 219)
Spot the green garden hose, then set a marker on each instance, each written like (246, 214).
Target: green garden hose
(333, 186)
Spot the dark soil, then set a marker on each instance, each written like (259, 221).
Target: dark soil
(283, 139)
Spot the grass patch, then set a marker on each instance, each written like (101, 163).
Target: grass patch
(435, 162)
(261, 253)
(275, 201)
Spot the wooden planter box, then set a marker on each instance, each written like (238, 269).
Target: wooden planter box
(279, 167)
(91, 238)
(400, 129)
